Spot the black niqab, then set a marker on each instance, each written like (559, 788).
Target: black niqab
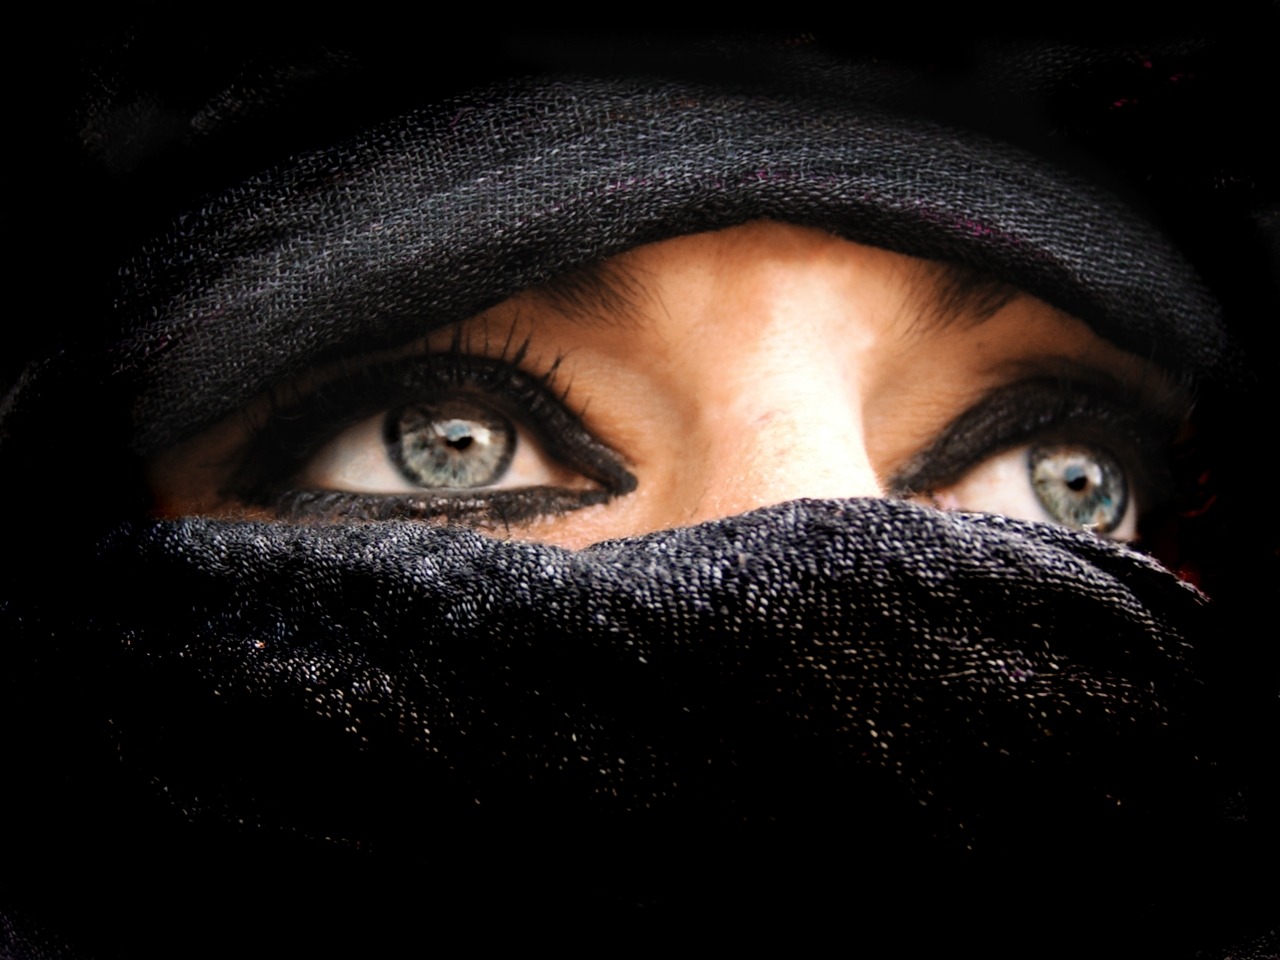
(855, 718)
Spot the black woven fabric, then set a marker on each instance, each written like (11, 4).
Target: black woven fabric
(913, 731)
(807, 704)
(437, 216)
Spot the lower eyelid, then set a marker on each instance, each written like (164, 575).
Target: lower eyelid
(485, 509)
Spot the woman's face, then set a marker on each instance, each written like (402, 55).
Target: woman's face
(698, 378)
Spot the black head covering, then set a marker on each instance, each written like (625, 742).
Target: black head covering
(909, 729)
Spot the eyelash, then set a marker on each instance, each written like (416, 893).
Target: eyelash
(298, 426)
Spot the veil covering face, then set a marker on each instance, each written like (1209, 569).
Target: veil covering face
(917, 729)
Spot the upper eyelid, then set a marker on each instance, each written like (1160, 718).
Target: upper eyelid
(499, 339)
(1144, 387)
(473, 338)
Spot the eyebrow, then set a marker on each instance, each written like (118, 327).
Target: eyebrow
(607, 292)
(942, 294)
(938, 293)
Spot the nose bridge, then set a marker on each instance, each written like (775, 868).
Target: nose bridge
(779, 332)
(796, 433)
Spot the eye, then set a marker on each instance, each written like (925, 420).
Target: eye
(1075, 484)
(1085, 453)
(471, 439)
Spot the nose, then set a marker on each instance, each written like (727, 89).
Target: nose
(795, 434)
(778, 338)
(760, 347)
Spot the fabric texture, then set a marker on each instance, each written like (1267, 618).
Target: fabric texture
(437, 217)
(789, 693)
(850, 718)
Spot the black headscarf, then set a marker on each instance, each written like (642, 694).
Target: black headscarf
(865, 719)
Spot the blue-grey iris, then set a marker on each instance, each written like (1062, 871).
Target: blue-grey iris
(450, 443)
(1080, 485)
